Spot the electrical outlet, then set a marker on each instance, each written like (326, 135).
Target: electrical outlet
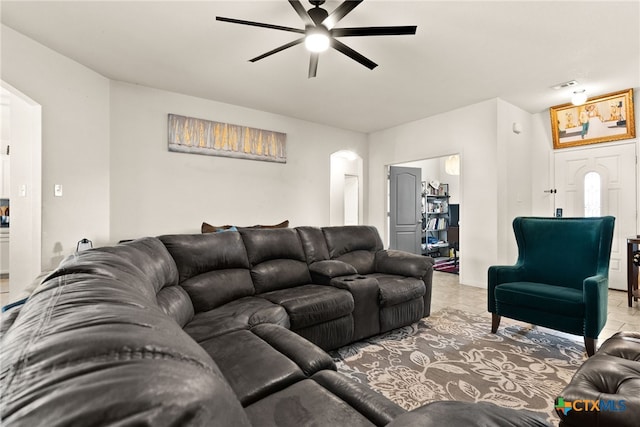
(57, 190)
(22, 190)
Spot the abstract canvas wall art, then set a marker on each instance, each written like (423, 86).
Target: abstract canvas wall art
(199, 136)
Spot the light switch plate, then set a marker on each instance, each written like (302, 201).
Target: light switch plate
(57, 190)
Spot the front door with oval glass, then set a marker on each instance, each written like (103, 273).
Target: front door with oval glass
(597, 182)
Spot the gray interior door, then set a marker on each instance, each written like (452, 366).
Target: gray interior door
(405, 210)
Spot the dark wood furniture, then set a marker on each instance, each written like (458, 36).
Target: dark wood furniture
(633, 245)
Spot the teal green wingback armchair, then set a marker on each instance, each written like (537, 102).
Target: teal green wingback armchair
(561, 278)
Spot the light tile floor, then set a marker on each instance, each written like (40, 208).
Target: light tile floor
(449, 292)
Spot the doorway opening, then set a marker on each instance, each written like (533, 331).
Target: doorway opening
(21, 132)
(423, 206)
(346, 192)
(351, 200)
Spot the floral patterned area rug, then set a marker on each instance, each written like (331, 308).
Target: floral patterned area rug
(452, 355)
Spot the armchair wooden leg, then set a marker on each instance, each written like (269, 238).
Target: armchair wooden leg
(495, 322)
(590, 345)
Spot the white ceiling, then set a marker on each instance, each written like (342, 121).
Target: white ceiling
(463, 52)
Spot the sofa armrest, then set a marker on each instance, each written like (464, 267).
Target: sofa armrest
(498, 274)
(323, 271)
(403, 263)
(596, 295)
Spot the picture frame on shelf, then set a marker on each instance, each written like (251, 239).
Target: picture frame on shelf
(600, 119)
(435, 188)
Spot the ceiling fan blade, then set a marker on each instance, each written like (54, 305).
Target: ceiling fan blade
(278, 49)
(313, 64)
(301, 12)
(259, 24)
(343, 48)
(374, 31)
(340, 12)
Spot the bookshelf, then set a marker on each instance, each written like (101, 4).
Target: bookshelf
(435, 220)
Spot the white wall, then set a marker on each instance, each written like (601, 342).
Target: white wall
(514, 176)
(106, 144)
(514, 168)
(75, 142)
(470, 131)
(154, 191)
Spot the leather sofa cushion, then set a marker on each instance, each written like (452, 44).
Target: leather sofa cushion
(314, 244)
(253, 368)
(150, 391)
(240, 314)
(612, 374)
(279, 274)
(397, 289)
(625, 345)
(150, 256)
(101, 264)
(196, 254)
(175, 302)
(268, 244)
(215, 288)
(545, 298)
(312, 304)
(308, 404)
(363, 261)
(342, 240)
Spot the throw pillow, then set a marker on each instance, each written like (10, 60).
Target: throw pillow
(208, 228)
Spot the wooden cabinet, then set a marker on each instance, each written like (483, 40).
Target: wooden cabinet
(633, 247)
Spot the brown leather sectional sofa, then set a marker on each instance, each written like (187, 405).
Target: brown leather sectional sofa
(225, 329)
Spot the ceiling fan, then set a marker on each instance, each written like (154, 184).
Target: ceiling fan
(320, 34)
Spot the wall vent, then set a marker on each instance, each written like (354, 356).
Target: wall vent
(565, 84)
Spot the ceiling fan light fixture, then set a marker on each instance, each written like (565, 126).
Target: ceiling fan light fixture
(317, 40)
(579, 97)
(320, 32)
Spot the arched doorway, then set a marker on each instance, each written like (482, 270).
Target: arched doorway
(346, 191)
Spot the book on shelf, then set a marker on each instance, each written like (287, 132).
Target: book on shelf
(437, 224)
